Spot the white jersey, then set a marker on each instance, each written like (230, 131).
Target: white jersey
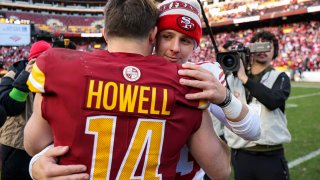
(216, 70)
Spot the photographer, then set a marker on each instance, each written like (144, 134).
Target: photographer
(265, 90)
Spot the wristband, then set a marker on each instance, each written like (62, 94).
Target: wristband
(36, 157)
(18, 95)
(227, 100)
(233, 109)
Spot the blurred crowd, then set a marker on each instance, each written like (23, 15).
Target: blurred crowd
(10, 55)
(218, 12)
(299, 47)
(228, 11)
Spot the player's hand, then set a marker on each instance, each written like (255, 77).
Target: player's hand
(46, 167)
(213, 90)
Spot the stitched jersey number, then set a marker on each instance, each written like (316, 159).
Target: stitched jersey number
(148, 135)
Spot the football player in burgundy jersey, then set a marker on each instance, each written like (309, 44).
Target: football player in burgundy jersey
(122, 112)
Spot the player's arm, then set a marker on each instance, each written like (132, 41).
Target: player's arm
(240, 120)
(247, 128)
(37, 133)
(209, 150)
(213, 91)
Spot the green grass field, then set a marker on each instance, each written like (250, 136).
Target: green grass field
(304, 123)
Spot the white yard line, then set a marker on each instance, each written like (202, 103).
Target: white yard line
(305, 86)
(303, 159)
(305, 95)
(311, 155)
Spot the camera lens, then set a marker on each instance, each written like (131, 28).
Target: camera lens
(229, 61)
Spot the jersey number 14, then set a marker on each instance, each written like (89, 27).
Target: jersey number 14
(147, 136)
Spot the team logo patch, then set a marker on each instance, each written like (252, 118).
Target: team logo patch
(131, 73)
(186, 23)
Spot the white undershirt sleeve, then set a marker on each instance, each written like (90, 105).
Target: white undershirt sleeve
(249, 127)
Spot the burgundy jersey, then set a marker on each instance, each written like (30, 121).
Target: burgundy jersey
(123, 115)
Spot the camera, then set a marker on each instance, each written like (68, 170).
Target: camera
(230, 61)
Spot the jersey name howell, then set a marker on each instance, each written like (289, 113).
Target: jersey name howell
(120, 97)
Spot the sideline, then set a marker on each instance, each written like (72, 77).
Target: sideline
(302, 159)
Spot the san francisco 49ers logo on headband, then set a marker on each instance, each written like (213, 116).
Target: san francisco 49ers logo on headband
(181, 16)
(131, 73)
(186, 23)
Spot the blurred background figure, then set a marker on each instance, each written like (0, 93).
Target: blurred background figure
(61, 42)
(17, 101)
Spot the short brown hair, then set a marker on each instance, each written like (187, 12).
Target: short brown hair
(130, 18)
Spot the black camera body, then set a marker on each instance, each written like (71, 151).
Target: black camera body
(230, 61)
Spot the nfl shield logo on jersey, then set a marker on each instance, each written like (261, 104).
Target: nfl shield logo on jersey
(131, 73)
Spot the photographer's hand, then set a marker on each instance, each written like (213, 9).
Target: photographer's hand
(242, 74)
(30, 65)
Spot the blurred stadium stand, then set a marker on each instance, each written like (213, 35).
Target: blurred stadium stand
(295, 22)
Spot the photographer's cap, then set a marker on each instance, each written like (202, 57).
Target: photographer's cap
(182, 16)
(37, 48)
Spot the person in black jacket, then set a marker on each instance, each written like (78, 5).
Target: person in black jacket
(17, 103)
(3, 115)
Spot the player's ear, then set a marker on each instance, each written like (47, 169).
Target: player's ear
(104, 33)
(153, 35)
